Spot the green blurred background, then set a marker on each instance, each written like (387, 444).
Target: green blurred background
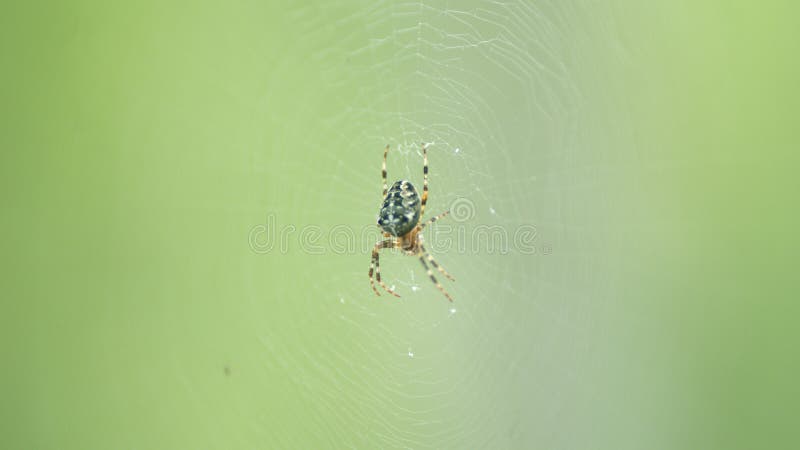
(145, 147)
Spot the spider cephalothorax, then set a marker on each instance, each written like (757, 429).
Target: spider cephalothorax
(399, 216)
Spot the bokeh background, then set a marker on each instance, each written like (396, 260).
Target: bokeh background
(150, 148)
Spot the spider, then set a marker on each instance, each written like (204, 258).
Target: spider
(399, 219)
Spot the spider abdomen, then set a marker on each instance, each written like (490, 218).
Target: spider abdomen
(400, 209)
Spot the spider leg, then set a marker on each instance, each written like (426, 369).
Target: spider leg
(433, 262)
(383, 172)
(430, 274)
(424, 179)
(433, 219)
(375, 266)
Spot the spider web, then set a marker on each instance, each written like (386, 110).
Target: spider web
(492, 86)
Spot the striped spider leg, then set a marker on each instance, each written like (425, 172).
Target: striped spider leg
(376, 265)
